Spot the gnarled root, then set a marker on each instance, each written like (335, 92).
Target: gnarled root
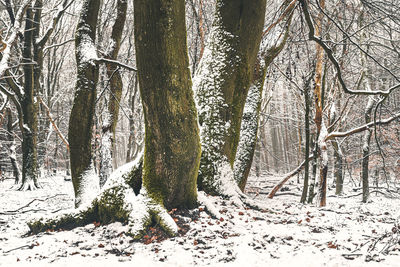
(117, 202)
(225, 186)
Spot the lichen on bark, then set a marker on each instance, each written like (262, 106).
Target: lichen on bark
(172, 145)
(221, 85)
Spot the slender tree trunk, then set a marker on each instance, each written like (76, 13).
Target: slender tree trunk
(367, 116)
(221, 85)
(29, 112)
(116, 86)
(311, 193)
(307, 145)
(366, 150)
(172, 144)
(12, 155)
(337, 152)
(319, 119)
(81, 120)
(133, 148)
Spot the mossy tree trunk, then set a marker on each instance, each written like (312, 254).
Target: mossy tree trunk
(172, 145)
(81, 119)
(221, 85)
(116, 85)
(29, 111)
(277, 37)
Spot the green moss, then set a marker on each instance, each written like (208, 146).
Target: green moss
(111, 206)
(65, 222)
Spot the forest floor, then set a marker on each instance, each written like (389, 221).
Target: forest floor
(344, 233)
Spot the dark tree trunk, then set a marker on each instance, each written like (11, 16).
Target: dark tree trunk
(172, 145)
(311, 193)
(307, 145)
(221, 86)
(12, 155)
(116, 86)
(338, 166)
(29, 112)
(366, 151)
(81, 119)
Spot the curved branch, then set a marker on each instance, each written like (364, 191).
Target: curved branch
(334, 61)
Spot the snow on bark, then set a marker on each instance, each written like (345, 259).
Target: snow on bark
(86, 49)
(270, 46)
(89, 187)
(6, 55)
(116, 202)
(106, 151)
(248, 132)
(323, 146)
(215, 65)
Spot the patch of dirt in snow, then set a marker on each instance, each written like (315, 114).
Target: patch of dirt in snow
(345, 233)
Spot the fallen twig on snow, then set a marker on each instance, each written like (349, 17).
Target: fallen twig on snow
(27, 205)
(374, 191)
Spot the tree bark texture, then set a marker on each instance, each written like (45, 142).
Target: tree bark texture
(221, 85)
(307, 145)
(81, 119)
(172, 143)
(12, 146)
(116, 86)
(274, 42)
(29, 112)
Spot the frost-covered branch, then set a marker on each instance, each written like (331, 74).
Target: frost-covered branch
(55, 20)
(361, 128)
(116, 62)
(333, 59)
(15, 29)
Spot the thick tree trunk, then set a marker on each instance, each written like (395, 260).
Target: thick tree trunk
(81, 120)
(29, 112)
(248, 131)
(172, 145)
(221, 85)
(116, 86)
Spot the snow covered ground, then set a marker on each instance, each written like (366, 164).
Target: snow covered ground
(345, 233)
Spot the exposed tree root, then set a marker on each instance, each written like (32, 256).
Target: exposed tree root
(117, 202)
(28, 186)
(210, 207)
(228, 188)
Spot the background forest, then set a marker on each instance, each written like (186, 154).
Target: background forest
(296, 99)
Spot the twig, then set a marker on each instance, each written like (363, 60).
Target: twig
(374, 191)
(36, 199)
(24, 246)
